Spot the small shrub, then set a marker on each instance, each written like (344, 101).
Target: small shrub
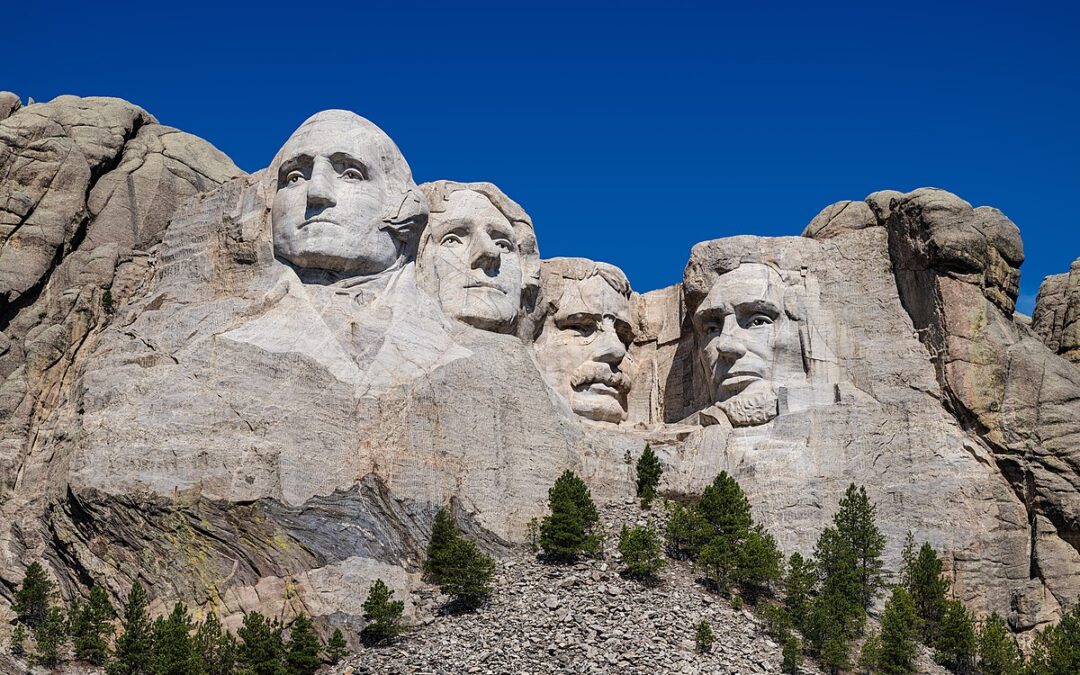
(956, 644)
(534, 534)
(90, 624)
(336, 649)
(649, 471)
(641, 552)
(382, 614)
(798, 585)
(467, 574)
(704, 637)
(758, 562)
(687, 532)
(443, 533)
(777, 621)
(737, 603)
(302, 649)
(18, 641)
(870, 655)
(792, 654)
(50, 635)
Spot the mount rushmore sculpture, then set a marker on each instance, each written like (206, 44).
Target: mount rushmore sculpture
(255, 391)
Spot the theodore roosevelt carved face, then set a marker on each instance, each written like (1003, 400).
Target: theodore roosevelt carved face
(582, 343)
(478, 255)
(344, 199)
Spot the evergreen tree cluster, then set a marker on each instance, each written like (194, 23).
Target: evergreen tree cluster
(174, 644)
(718, 533)
(456, 565)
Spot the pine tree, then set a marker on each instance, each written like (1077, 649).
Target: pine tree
(261, 649)
(907, 560)
(649, 471)
(724, 506)
(928, 590)
(835, 616)
(336, 649)
(302, 650)
(443, 532)
(641, 551)
(798, 585)
(18, 641)
(687, 532)
(468, 574)
(870, 655)
(998, 654)
(567, 531)
(758, 562)
(792, 655)
(50, 636)
(703, 636)
(383, 614)
(134, 647)
(215, 646)
(956, 644)
(855, 523)
(90, 624)
(899, 629)
(32, 599)
(174, 649)
(1057, 648)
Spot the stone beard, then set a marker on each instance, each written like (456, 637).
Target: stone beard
(586, 330)
(745, 340)
(344, 199)
(478, 255)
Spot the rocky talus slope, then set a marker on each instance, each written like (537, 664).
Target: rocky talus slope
(581, 618)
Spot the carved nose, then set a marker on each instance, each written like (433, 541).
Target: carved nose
(609, 348)
(730, 347)
(484, 254)
(320, 192)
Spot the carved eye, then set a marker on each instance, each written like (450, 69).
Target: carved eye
(504, 245)
(294, 177)
(450, 240)
(759, 320)
(352, 174)
(582, 329)
(713, 327)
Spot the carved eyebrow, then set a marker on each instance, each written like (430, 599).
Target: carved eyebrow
(294, 162)
(342, 160)
(758, 307)
(578, 317)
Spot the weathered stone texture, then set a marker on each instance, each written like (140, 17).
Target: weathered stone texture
(1057, 313)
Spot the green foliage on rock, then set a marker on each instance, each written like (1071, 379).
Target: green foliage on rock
(261, 648)
(18, 641)
(899, 631)
(90, 625)
(173, 646)
(798, 585)
(302, 649)
(567, 532)
(856, 524)
(215, 646)
(997, 650)
(758, 562)
(870, 654)
(32, 599)
(792, 655)
(133, 653)
(956, 644)
(641, 551)
(649, 471)
(336, 649)
(383, 614)
(928, 589)
(687, 531)
(443, 533)
(703, 636)
(1057, 648)
(468, 574)
(50, 636)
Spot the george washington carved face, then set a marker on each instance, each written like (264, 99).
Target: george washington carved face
(344, 198)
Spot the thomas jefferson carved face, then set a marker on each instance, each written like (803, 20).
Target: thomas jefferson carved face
(742, 330)
(584, 338)
(477, 261)
(344, 197)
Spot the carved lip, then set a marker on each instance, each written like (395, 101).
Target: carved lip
(317, 219)
(483, 284)
(737, 378)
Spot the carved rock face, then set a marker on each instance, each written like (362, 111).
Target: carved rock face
(340, 185)
(582, 344)
(741, 325)
(477, 260)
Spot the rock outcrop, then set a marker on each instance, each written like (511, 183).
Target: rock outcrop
(1057, 313)
(257, 396)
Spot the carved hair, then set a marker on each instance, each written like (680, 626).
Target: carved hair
(555, 273)
(438, 193)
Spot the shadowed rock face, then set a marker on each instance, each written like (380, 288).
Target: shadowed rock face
(1057, 313)
(191, 398)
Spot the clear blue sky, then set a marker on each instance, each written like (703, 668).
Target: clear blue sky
(628, 131)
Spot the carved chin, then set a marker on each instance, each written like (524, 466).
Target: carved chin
(755, 405)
